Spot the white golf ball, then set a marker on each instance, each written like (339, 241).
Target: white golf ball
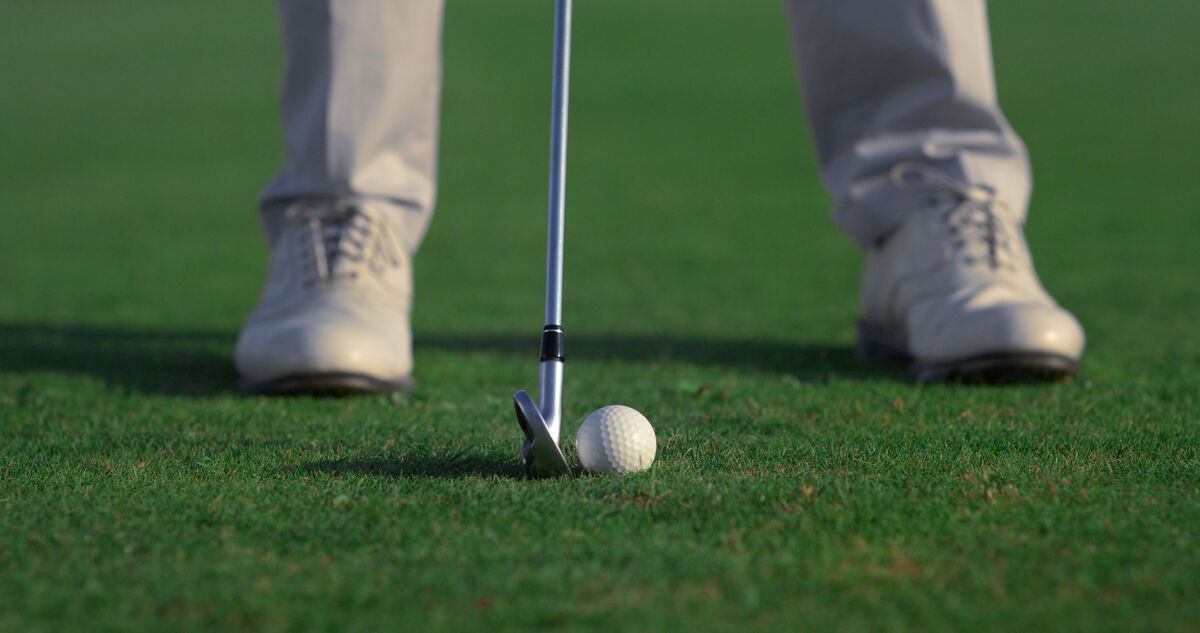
(616, 439)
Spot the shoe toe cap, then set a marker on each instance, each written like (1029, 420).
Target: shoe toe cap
(326, 343)
(1000, 329)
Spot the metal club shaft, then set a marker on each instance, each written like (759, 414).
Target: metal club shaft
(551, 369)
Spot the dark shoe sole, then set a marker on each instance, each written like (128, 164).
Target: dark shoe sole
(876, 344)
(327, 384)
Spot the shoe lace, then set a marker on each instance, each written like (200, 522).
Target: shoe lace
(339, 240)
(976, 230)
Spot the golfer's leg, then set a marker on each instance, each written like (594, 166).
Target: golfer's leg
(361, 89)
(351, 204)
(886, 82)
(930, 180)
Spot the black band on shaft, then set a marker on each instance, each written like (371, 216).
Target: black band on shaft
(552, 343)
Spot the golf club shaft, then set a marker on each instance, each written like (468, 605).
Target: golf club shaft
(551, 370)
(558, 162)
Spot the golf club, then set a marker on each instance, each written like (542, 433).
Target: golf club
(542, 422)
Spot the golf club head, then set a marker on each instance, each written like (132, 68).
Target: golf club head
(540, 453)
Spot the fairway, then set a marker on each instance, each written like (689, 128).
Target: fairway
(794, 489)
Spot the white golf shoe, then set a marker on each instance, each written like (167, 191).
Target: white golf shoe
(334, 313)
(954, 291)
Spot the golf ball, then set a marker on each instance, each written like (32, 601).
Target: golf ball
(616, 439)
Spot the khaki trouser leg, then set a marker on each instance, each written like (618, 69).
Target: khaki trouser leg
(902, 80)
(361, 92)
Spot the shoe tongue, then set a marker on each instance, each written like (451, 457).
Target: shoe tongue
(335, 236)
(977, 231)
(981, 234)
(344, 239)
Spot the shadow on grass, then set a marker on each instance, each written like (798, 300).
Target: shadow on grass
(188, 363)
(199, 363)
(451, 466)
(807, 362)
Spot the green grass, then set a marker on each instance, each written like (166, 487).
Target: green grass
(794, 490)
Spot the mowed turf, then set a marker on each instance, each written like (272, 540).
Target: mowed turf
(794, 490)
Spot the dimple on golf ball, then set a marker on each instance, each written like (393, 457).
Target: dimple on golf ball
(616, 439)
